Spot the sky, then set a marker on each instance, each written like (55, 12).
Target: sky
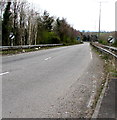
(81, 14)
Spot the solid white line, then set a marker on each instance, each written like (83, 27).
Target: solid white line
(4, 73)
(99, 102)
(47, 58)
(90, 103)
(91, 55)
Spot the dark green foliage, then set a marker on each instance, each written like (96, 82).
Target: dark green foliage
(65, 32)
(47, 21)
(6, 25)
(86, 38)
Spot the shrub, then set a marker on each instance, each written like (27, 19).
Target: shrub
(103, 42)
(53, 38)
(49, 38)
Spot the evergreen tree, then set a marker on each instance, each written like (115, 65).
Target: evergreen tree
(6, 25)
(47, 21)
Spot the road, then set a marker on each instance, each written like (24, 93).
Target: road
(33, 82)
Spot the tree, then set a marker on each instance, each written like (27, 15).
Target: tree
(2, 7)
(66, 33)
(7, 25)
(47, 21)
(15, 9)
(22, 25)
(44, 28)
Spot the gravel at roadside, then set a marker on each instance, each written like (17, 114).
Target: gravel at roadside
(80, 100)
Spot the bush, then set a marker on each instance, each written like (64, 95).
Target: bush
(115, 44)
(103, 42)
(49, 38)
(53, 38)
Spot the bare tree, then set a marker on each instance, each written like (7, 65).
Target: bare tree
(22, 22)
(2, 7)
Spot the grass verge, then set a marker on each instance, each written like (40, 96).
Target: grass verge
(11, 52)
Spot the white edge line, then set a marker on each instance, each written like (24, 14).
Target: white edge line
(91, 100)
(91, 55)
(96, 111)
(4, 73)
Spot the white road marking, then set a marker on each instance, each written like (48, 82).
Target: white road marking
(47, 58)
(99, 102)
(4, 73)
(90, 103)
(91, 55)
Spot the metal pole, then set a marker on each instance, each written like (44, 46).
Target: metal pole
(99, 21)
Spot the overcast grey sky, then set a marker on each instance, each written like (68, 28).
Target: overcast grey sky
(81, 14)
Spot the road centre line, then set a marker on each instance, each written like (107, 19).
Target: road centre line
(3, 73)
(47, 58)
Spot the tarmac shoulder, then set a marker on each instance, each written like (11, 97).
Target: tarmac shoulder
(108, 105)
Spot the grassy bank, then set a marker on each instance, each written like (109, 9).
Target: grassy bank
(18, 51)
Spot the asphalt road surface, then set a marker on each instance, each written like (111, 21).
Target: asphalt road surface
(33, 82)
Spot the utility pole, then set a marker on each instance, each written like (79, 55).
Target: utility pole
(100, 17)
(99, 21)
